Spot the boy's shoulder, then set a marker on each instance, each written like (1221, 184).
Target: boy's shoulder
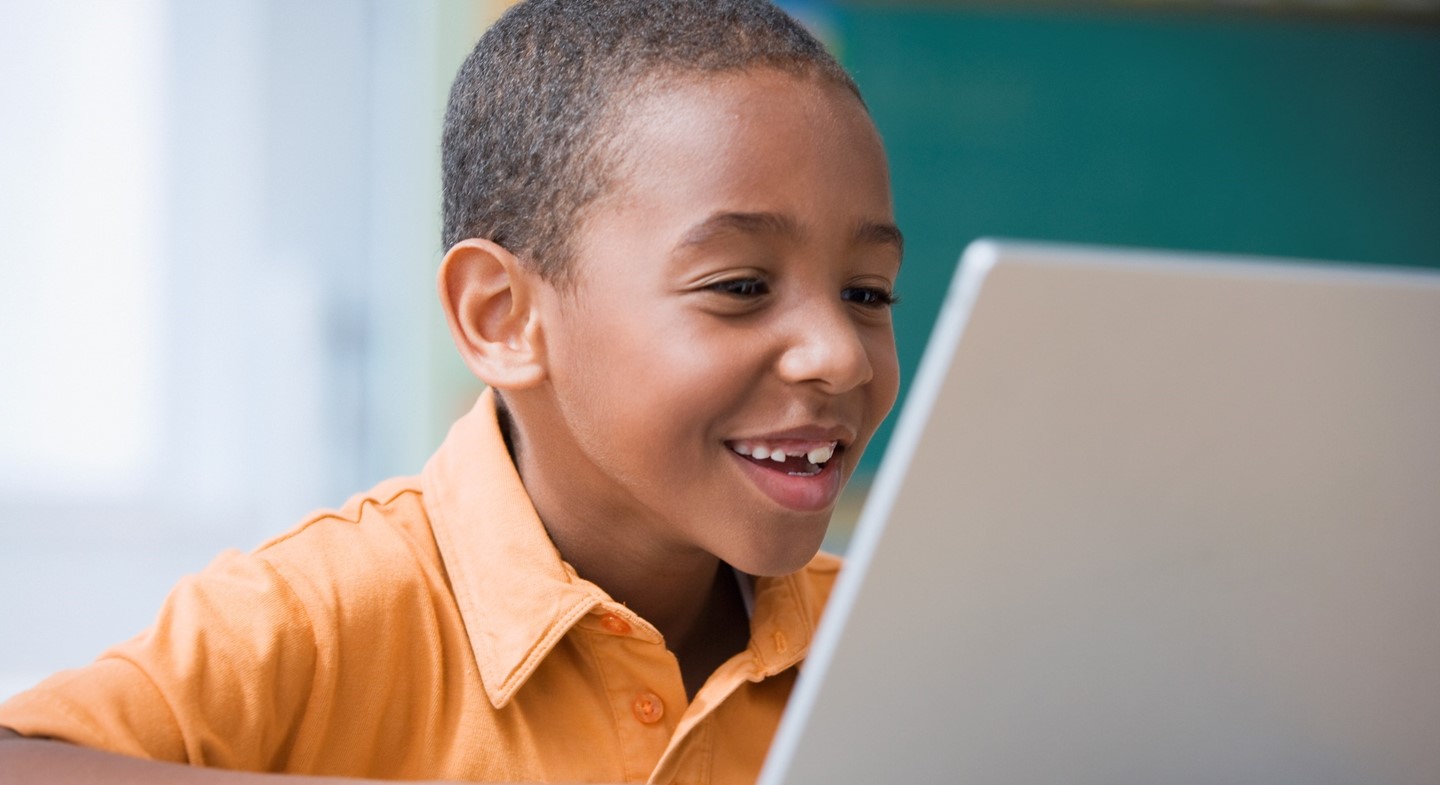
(353, 561)
(373, 529)
(396, 530)
(454, 529)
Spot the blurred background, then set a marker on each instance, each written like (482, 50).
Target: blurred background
(219, 227)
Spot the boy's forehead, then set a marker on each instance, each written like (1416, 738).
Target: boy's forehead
(717, 162)
(715, 127)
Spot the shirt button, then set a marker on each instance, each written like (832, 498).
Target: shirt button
(615, 624)
(648, 708)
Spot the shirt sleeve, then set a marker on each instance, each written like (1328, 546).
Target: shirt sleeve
(221, 679)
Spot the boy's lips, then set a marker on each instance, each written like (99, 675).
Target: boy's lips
(797, 469)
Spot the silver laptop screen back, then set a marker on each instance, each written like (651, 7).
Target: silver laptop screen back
(1145, 518)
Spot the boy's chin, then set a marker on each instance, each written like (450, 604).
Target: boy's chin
(775, 561)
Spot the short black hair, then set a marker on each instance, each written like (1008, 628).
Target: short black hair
(535, 103)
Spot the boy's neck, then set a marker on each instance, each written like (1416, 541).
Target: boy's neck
(681, 597)
(719, 631)
(695, 603)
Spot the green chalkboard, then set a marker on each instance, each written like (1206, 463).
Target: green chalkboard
(1233, 133)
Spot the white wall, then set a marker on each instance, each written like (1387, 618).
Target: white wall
(218, 235)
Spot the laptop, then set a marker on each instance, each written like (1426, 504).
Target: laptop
(1146, 517)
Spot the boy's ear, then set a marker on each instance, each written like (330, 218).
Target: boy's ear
(489, 301)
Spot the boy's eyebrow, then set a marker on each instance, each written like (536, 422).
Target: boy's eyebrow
(873, 233)
(739, 223)
(866, 232)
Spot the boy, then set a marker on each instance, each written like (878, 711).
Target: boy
(671, 260)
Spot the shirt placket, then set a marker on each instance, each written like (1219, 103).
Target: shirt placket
(643, 686)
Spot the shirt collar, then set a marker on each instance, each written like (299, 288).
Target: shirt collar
(787, 609)
(516, 596)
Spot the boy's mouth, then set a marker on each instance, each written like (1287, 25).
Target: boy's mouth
(793, 457)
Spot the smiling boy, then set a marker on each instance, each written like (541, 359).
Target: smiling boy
(672, 258)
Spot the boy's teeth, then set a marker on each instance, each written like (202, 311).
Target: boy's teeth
(760, 452)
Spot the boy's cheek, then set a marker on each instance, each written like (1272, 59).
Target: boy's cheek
(886, 381)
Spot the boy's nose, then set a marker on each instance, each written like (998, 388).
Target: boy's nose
(826, 351)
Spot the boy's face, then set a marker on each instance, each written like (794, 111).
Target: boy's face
(730, 300)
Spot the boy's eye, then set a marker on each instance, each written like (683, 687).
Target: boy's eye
(741, 287)
(869, 296)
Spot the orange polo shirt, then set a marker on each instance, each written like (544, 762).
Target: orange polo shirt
(429, 630)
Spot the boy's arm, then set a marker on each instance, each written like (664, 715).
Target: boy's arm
(58, 763)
